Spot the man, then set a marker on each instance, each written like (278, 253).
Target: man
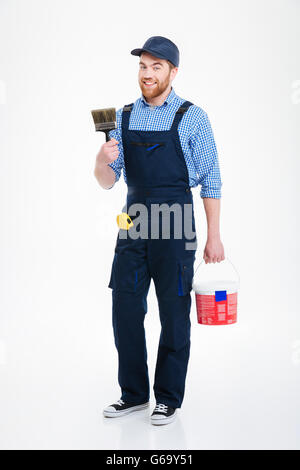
(165, 146)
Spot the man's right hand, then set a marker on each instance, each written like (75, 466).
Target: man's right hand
(108, 152)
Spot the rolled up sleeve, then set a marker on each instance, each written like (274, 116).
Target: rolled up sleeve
(205, 158)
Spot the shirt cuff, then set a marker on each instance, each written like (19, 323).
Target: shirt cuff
(210, 192)
(117, 174)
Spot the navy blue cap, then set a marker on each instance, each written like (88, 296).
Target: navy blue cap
(161, 47)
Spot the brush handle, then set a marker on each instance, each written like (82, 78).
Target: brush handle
(107, 135)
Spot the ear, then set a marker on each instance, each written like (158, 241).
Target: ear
(174, 72)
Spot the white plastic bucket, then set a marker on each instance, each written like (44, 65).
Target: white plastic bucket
(216, 300)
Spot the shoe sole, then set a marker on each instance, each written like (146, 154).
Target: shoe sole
(116, 414)
(161, 421)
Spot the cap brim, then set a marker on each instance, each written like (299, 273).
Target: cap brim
(139, 51)
(136, 51)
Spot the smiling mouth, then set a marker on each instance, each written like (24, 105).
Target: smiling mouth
(149, 85)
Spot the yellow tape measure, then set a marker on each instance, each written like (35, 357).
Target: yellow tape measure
(124, 221)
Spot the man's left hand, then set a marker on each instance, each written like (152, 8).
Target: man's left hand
(213, 251)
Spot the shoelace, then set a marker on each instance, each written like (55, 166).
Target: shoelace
(161, 407)
(120, 402)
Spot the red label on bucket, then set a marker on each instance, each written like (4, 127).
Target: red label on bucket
(216, 312)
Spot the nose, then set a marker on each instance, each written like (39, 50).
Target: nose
(147, 75)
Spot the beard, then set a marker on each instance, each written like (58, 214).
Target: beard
(157, 90)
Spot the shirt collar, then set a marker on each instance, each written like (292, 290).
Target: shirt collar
(168, 100)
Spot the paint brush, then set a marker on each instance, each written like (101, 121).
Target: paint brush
(105, 120)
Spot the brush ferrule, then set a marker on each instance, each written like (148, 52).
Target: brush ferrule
(103, 126)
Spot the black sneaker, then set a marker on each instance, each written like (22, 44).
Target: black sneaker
(121, 408)
(163, 414)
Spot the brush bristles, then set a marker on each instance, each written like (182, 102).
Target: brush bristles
(107, 115)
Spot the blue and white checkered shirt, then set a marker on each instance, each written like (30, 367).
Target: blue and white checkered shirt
(195, 134)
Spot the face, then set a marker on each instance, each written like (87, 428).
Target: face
(157, 73)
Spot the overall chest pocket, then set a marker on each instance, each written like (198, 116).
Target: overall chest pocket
(148, 146)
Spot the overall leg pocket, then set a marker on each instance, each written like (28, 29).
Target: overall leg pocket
(112, 274)
(128, 273)
(185, 275)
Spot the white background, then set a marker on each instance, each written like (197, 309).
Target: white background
(58, 363)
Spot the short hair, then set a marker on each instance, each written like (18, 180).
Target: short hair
(171, 66)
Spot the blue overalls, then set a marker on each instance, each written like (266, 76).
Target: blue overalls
(156, 173)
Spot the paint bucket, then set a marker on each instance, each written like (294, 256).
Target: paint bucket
(216, 300)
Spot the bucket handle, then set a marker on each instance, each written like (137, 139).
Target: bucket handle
(236, 271)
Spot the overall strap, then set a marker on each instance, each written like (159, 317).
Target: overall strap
(179, 113)
(126, 115)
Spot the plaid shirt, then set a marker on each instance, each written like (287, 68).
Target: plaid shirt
(195, 135)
